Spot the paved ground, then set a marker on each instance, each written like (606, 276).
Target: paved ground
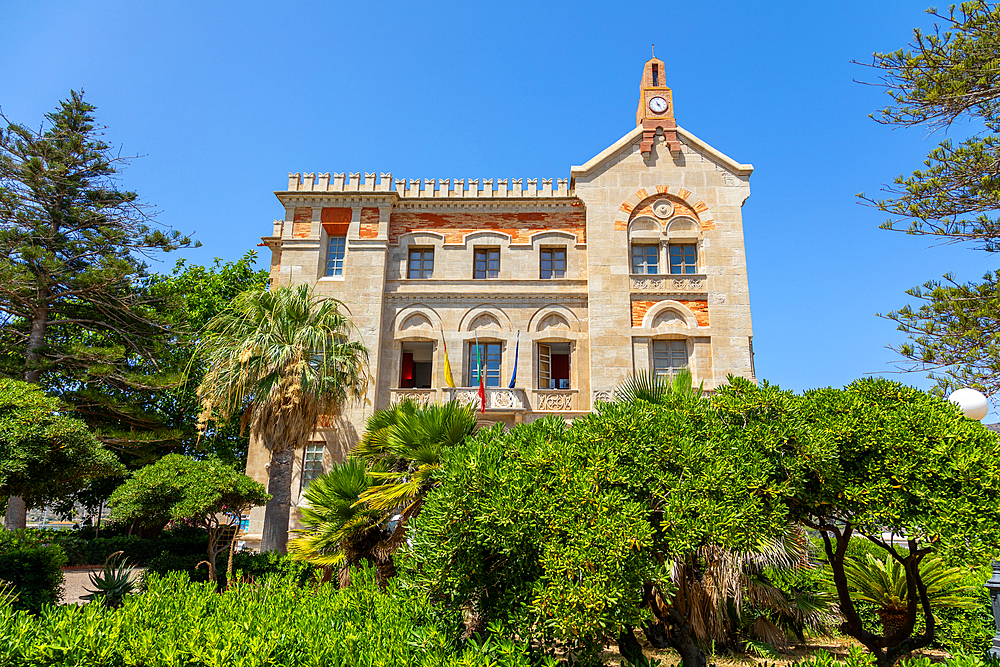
(77, 581)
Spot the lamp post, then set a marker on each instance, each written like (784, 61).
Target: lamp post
(975, 406)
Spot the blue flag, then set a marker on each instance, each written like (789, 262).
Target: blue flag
(513, 376)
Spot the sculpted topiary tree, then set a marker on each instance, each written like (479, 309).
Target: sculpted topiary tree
(909, 464)
(208, 494)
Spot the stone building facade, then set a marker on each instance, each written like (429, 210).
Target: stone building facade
(634, 263)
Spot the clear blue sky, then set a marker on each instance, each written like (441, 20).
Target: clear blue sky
(224, 99)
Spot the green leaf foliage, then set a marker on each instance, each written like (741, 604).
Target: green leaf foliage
(35, 574)
(44, 454)
(554, 530)
(78, 317)
(949, 74)
(180, 488)
(257, 624)
(907, 462)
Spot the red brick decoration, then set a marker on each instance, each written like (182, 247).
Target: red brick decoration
(336, 220)
(520, 226)
(302, 222)
(636, 205)
(369, 223)
(698, 307)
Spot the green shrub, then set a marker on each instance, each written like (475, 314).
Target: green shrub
(246, 565)
(36, 575)
(270, 622)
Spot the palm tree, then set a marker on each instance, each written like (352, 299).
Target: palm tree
(883, 583)
(341, 529)
(360, 509)
(644, 386)
(279, 359)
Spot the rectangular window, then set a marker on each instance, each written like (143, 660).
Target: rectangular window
(489, 358)
(312, 463)
(553, 263)
(684, 258)
(553, 366)
(487, 263)
(416, 366)
(335, 255)
(646, 259)
(669, 356)
(421, 263)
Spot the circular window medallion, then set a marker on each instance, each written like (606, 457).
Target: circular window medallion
(663, 209)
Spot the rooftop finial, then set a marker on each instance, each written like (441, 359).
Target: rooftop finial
(653, 49)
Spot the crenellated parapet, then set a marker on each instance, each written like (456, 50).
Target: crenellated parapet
(416, 188)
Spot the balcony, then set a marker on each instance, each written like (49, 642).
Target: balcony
(669, 283)
(498, 399)
(554, 400)
(418, 396)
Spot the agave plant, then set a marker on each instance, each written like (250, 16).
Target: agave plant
(113, 583)
(883, 583)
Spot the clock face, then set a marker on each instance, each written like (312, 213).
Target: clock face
(657, 104)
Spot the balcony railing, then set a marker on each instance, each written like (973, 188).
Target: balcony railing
(497, 399)
(669, 283)
(554, 400)
(418, 396)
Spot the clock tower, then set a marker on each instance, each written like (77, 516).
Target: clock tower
(656, 108)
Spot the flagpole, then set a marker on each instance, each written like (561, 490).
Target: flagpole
(517, 348)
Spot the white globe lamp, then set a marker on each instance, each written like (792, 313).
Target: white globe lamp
(972, 403)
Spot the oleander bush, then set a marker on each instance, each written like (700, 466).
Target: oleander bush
(271, 622)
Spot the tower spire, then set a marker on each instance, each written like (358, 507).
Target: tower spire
(656, 107)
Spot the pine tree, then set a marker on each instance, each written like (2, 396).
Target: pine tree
(950, 75)
(76, 316)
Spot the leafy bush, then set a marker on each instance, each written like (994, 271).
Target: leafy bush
(271, 622)
(36, 575)
(246, 565)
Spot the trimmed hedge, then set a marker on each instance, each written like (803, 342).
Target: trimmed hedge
(36, 575)
(273, 622)
(246, 565)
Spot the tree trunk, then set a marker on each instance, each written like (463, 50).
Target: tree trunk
(17, 514)
(279, 484)
(685, 645)
(629, 647)
(17, 511)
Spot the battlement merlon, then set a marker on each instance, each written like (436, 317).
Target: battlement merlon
(436, 188)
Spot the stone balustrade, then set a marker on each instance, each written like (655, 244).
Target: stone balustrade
(418, 396)
(498, 399)
(554, 400)
(658, 284)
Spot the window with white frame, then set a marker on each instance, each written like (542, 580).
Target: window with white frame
(669, 356)
(683, 258)
(646, 258)
(312, 463)
(335, 249)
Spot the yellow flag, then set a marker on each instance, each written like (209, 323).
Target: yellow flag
(447, 364)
